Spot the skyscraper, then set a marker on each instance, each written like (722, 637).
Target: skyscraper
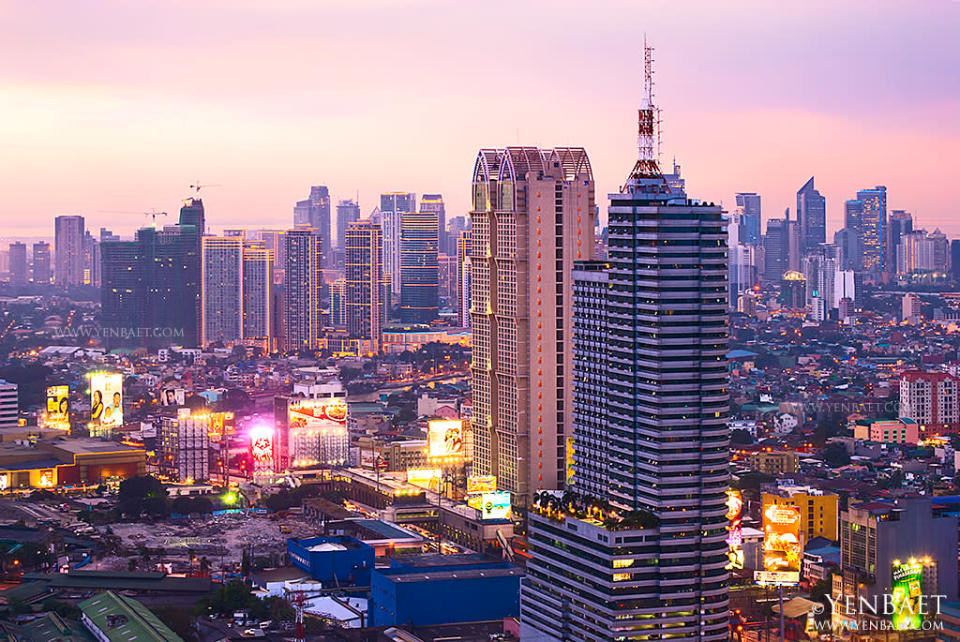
(303, 278)
(18, 263)
(419, 268)
(639, 552)
(348, 211)
(533, 216)
(91, 260)
(364, 306)
(463, 279)
(867, 214)
(70, 254)
(150, 291)
(314, 212)
(338, 302)
(899, 225)
(812, 216)
(258, 296)
(41, 263)
(434, 203)
(221, 290)
(748, 203)
(776, 249)
(392, 206)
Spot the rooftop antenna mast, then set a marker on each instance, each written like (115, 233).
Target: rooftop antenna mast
(648, 127)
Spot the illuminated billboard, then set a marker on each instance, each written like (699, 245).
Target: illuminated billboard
(734, 529)
(428, 478)
(317, 432)
(221, 423)
(782, 549)
(495, 505)
(106, 399)
(445, 438)
(57, 415)
(481, 484)
(171, 396)
(907, 595)
(570, 452)
(261, 448)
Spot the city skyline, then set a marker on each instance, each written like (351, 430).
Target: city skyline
(254, 123)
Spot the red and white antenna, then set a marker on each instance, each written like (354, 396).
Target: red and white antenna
(648, 128)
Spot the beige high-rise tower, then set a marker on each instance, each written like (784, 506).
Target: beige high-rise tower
(533, 216)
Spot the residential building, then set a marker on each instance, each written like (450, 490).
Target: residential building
(392, 207)
(348, 212)
(929, 398)
(812, 216)
(41, 263)
(366, 288)
(69, 251)
(9, 404)
(899, 225)
(314, 212)
(748, 207)
(533, 216)
(184, 446)
(888, 431)
(464, 279)
(303, 279)
(221, 290)
(819, 510)
(18, 263)
(434, 203)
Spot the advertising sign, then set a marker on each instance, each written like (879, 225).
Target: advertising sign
(445, 438)
(569, 455)
(495, 505)
(106, 399)
(907, 592)
(428, 478)
(171, 396)
(221, 423)
(481, 484)
(318, 432)
(261, 448)
(734, 529)
(58, 408)
(782, 549)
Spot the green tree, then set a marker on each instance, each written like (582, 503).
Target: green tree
(836, 455)
(142, 494)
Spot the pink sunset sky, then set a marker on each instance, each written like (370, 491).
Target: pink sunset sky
(118, 105)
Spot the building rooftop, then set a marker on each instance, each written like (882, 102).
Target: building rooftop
(122, 618)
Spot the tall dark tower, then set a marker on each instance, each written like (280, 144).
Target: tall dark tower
(640, 548)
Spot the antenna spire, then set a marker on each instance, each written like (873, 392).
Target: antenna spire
(648, 129)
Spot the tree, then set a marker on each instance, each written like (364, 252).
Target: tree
(182, 505)
(142, 494)
(741, 436)
(178, 618)
(836, 455)
(752, 481)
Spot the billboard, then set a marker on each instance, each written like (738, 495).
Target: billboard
(221, 423)
(106, 399)
(782, 549)
(445, 438)
(570, 453)
(428, 478)
(317, 432)
(481, 484)
(907, 594)
(261, 448)
(495, 505)
(57, 415)
(171, 396)
(734, 529)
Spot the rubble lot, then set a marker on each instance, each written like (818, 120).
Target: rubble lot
(226, 535)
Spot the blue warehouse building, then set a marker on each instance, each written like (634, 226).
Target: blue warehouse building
(341, 561)
(423, 590)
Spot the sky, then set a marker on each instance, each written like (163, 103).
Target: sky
(109, 107)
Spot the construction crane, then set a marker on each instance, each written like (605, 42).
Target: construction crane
(197, 186)
(153, 214)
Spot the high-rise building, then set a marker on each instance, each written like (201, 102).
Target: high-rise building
(929, 398)
(392, 207)
(314, 212)
(434, 203)
(18, 263)
(221, 290)
(41, 263)
(463, 279)
(419, 268)
(812, 216)
(447, 275)
(150, 290)
(259, 328)
(9, 404)
(303, 279)
(91, 260)
(533, 216)
(849, 249)
(776, 249)
(923, 252)
(69, 235)
(184, 446)
(748, 204)
(899, 225)
(867, 214)
(338, 302)
(348, 211)
(955, 259)
(365, 308)
(650, 413)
